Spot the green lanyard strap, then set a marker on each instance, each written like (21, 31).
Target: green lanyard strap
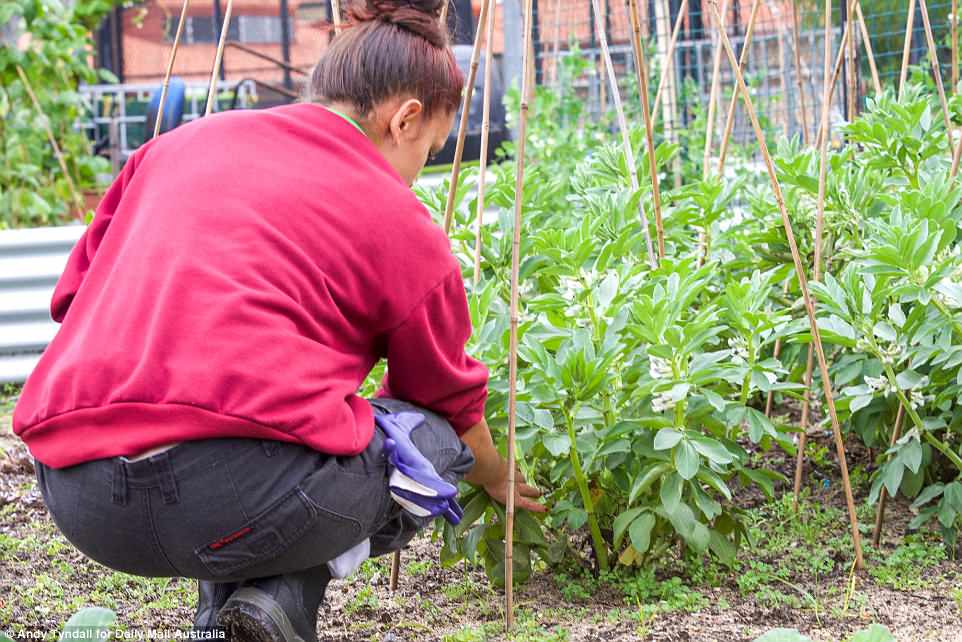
(345, 117)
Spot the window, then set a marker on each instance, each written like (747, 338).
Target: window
(245, 29)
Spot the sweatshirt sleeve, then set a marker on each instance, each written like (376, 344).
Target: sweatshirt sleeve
(83, 252)
(426, 361)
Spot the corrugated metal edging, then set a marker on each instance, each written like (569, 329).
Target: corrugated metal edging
(31, 261)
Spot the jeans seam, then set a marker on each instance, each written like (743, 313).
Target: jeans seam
(233, 485)
(153, 531)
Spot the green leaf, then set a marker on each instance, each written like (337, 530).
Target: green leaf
(953, 495)
(671, 492)
(927, 495)
(666, 438)
(623, 520)
(715, 399)
(859, 402)
(722, 547)
(911, 455)
(713, 450)
(91, 623)
(640, 532)
(896, 315)
(885, 331)
(893, 476)
(686, 460)
(908, 379)
(557, 444)
(874, 633)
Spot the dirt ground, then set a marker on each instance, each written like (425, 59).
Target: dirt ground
(910, 586)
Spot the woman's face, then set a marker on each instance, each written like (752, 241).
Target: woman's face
(411, 138)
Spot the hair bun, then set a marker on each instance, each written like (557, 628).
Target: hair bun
(420, 17)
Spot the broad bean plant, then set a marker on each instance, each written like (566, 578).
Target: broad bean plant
(641, 392)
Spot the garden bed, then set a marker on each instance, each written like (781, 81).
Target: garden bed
(796, 577)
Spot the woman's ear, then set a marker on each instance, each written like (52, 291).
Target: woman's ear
(406, 121)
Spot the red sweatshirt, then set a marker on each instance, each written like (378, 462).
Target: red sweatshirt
(242, 276)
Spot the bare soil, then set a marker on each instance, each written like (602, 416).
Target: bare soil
(43, 579)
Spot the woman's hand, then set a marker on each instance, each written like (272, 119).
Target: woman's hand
(498, 491)
(490, 471)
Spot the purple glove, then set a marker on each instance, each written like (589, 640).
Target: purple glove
(415, 483)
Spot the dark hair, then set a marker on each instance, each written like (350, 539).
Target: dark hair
(390, 47)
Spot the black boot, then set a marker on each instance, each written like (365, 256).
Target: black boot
(282, 608)
(211, 596)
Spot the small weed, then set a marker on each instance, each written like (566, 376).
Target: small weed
(413, 569)
(363, 600)
(906, 567)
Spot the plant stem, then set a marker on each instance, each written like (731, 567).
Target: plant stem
(601, 548)
(934, 441)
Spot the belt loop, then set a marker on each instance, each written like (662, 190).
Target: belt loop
(119, 483)
(168, 485)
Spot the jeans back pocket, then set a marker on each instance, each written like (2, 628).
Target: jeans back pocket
(262, 538)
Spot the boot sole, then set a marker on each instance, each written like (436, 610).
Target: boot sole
(250, 615)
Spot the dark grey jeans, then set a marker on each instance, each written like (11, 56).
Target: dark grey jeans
(233, 509)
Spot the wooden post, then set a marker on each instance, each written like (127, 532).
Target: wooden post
(803, 285)
(485, 130)
(880, 513)
(170, 67)
(730, 114)
(906, 47)
(395, 569)
(465, 112)
(851, 72)
(835, 74)
(218, 56)
(641, 69)
(513, 345)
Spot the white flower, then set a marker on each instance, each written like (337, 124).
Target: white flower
(569, 288)
(739, 350)
(771, 376)
(662, 402)
(878, 384)
(659, 368)
(917, 399)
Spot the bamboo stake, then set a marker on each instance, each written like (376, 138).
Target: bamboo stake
(465, 112)
(906, 47)
(513, 347)
(868, 47)
(395, 569)
(955, 45)
(556, 45)
(641, 66)
(837, 71)
(713, 96)
(58, 154)
(803, 284)
(485, 130)
(444, 14)
(796, 46)
(880, 513)
(218, 56)
(742, 61)
(669, 61)
(336, 15)
(955, 159)
(170, 67)
(777, 351)
(936, 70)
(850, 71)
(828, 87)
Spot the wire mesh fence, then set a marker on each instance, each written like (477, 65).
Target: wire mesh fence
(786, 85)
